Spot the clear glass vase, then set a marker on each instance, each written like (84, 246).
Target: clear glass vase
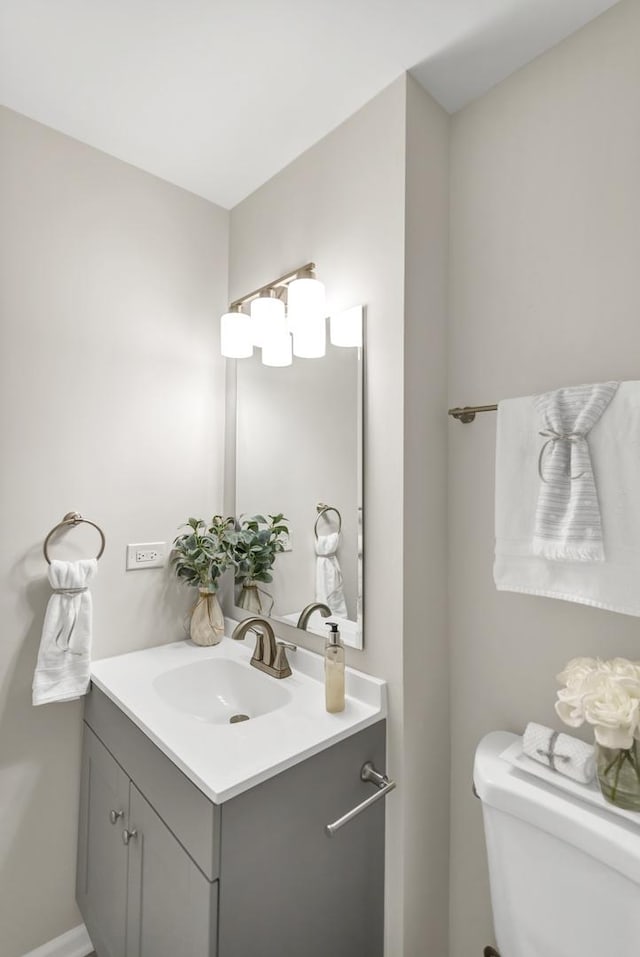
(255, 599)
(619, 775)
(207, 620)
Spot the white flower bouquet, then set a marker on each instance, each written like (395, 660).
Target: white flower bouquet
(606, 694)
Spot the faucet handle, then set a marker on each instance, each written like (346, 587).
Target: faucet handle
(281, 665)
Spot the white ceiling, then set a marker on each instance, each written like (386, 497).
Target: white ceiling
(218, 95)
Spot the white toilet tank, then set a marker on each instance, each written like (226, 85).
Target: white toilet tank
(565, 876)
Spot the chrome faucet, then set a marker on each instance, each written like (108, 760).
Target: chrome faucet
(307, 612)
(269, 655)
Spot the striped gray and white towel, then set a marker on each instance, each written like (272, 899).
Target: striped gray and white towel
(614, 449)
(568, 526)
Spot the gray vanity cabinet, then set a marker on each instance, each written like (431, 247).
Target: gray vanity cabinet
(139, 892)
(102, 860)
(169, 900)
(254, 877)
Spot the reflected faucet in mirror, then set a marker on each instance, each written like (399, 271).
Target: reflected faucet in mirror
(307, 612)
(272, 658)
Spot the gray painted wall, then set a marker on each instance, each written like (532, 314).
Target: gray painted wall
(425, 664)
(545, 245)
(111, 389)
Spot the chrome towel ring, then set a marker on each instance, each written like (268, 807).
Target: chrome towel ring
(322, 510)
(70, 520)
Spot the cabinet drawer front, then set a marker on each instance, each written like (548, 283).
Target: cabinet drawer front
(172, 907)
(193, 819)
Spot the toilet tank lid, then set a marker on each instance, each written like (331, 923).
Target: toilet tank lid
(613, 840)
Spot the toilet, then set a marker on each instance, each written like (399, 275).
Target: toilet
(564, 875)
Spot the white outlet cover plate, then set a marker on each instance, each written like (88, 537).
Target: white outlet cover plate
(146, 555)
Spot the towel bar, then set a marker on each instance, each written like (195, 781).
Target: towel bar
(380, 780)
(468, 413)
(70, 520)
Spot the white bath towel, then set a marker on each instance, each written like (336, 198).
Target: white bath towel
(615, 456)
(329, 583)
(64, 659)
(560, 752)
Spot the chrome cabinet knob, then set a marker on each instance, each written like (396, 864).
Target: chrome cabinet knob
(129, 835)
(114, 816)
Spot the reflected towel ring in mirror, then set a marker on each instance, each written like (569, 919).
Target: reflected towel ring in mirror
(70, 520)
(322, 510)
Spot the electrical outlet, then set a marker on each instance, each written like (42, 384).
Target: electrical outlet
(146, 555)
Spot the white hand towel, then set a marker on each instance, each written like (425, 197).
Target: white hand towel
(568, 525)
(615, 455)
(329, 583)
(560, 752)
(64, 660)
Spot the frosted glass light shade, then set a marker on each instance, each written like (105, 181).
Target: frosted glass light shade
(346, 327)
(305, 300)
(235, 335)
(310, 338)
(276, 350)
(267, 319)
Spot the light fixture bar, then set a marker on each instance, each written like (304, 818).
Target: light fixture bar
(306, 270)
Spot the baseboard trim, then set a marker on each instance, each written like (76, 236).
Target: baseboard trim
(75, 943)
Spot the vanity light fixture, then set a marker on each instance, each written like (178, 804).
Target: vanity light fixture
(277, 349)
(236, 340)
(268, 319)
(346, 327)
(299, 328)
(307, 316)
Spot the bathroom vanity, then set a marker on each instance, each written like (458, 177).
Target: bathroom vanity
(204, 838)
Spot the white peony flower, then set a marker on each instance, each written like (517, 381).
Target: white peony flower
(606, 694)
(569, 712)
(576, 670)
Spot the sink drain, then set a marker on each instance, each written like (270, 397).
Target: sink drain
(238, 717)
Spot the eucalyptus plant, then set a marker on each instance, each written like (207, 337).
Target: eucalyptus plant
(202, 554)
(257, 542)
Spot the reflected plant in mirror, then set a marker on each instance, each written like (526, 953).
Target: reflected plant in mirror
(257, 541)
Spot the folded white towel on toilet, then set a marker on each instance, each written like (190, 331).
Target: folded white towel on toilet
(560, 752)
(64, 660)
(614, 445)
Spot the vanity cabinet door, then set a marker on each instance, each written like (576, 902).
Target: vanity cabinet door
(288, 890)
(171, 904)
(102, 856)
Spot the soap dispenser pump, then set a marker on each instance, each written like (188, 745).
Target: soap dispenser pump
(334, 670)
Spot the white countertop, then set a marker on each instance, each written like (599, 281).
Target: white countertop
(223, 759)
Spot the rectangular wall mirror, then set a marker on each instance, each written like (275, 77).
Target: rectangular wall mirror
(299, 452)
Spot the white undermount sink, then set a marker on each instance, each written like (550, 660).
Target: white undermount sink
(220, 692)
(183, 698)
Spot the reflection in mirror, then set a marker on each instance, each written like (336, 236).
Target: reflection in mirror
(299, 455)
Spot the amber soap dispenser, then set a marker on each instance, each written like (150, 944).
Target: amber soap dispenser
(334, 670)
